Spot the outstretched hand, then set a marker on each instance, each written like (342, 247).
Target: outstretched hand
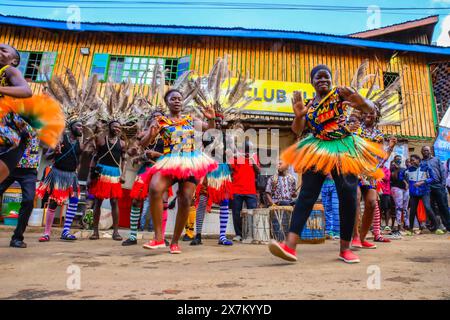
(208, 112)
(351, 96)
(298, 106)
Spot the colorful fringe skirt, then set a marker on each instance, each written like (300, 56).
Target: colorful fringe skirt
(9, 132)
(350, 155)
(183, 165)
(220, 184)
(107, 185)
(139, 191)
(60, 185)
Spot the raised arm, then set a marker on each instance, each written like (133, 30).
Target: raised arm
(210, 115)
(150, 134)
(299, 123)
(19, 88)
(356, 100)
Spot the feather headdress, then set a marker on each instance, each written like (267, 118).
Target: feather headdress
(217, 89)
(384, 100)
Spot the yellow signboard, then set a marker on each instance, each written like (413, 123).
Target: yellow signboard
(274, 97)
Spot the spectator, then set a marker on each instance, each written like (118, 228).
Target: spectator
(400, 193)
(331, 206)
(420, 177)
(438, 191)
(385, 199)
(245, 168)
(280, 188)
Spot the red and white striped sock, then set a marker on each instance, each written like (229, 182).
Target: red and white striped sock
(377, 221)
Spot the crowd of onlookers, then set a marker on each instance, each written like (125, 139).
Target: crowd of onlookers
(412, 194)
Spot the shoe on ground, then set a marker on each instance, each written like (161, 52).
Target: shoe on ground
(387, 228)
(68, 237)
(439, 232)
(348, 256)
(356, 243)
(368, 245)
(225, 242)
(187, 238)
(166, 242)
(336, 237)
(409, 233)
(247, 240)
(237, 238)
(153, 244)
(129, 242)
(175, 249)
(381, 239)
(17, 244)
(196, 242)
(282, 251)
(44, 238)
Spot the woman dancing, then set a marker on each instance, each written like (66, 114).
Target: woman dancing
(181, 164)
(330, 149)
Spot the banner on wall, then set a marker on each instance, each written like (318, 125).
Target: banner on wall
(442, 144)
(400, 149)
(274, 97)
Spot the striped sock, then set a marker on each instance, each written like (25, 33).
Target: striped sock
(223, 220)
(49, 221)
(134, 219)
(201, 209)
(70, 214)
(376, 221)
(164, 219)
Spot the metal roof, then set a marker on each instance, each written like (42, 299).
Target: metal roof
(223, 32)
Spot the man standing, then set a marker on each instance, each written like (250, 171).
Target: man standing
(438, 191)
(106, 178)
(280, 189)
(245, 168)
(25, 174)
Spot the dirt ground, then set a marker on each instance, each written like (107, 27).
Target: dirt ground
(412, 268)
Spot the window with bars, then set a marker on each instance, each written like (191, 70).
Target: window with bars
(137, 69)
(34, 65)
(389, 78)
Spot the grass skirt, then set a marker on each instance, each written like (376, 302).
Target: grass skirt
(60, 185)
(107, 185)
(220, 184)
(139, 191)
(350, 155)
(182, 165)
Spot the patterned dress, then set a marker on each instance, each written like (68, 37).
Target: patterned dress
(331, 145)
(180, 159)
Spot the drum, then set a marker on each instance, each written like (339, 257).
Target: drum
(280, 221)
(314, 230)
(255, 226)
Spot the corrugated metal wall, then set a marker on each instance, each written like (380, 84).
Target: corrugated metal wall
(264, 59)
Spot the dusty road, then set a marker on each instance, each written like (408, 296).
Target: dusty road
(412, 268)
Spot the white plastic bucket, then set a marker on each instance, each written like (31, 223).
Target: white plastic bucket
(36, 218)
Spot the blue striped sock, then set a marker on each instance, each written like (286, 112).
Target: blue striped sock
(200, 215)
(223, 220)
(70, 214)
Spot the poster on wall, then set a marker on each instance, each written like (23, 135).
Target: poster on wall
(442, 144)
(400, 149)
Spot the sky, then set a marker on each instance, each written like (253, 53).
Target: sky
(358, 15)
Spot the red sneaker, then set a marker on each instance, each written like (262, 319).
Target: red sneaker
(282, 251)
(154, 244)
(175, 249)
(44, 238)
(348, 256)
(368, 245)
(381, 239)
(356, 243)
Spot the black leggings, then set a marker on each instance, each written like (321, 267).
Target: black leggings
(414, 203)
(13, 156)
(311, 186)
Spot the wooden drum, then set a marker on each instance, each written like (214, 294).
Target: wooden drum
(255, 226)
(314, 231)
(280, 221)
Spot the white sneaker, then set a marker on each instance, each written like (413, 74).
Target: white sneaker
(247, 240)
(237, 238)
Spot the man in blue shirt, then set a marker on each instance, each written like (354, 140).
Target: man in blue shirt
(420, 177)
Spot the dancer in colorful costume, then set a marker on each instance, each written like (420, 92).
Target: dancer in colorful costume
(181, 163)
(330, 149)
(61, 183)
(228, 101)
(23, 120)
